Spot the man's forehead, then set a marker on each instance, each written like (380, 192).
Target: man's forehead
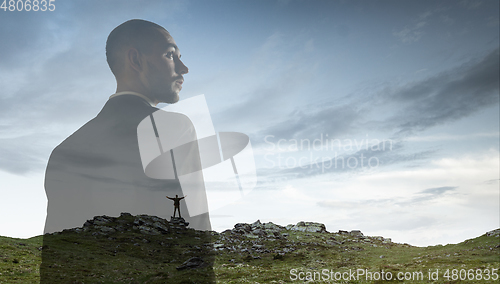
(165, 40)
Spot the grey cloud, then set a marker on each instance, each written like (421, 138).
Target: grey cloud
(409, 35)
(387, 155)
(443, 98)
(22, 34)
(273, 84)
(428, 195)
(491, 181)
(267, 102)
(19, 162)
(334, 120)
(471, 4)
(20, 155)
(422, 196)
(438, 190)
(448, 96)
(258, 106)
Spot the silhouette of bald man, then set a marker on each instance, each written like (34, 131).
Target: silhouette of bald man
(98, 169)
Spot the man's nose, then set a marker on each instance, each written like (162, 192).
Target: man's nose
(181, 68)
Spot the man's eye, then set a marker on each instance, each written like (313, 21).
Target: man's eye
(170, 55)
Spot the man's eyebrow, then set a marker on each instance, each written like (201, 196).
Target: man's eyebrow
(172, 45)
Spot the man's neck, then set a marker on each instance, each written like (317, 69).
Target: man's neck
(134, 88)
(151, 102)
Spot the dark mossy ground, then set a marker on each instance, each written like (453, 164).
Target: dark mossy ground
(131, 257)
(125, 250)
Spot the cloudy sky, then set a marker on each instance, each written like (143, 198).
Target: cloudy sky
(381, 116)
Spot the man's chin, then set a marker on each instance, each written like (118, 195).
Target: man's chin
(170, 99)
(174, 99)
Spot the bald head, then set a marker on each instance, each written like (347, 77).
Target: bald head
(145, 59)
(138, 34)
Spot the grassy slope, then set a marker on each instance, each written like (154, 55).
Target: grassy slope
(20, 260)
(313, 255)
(309, 252)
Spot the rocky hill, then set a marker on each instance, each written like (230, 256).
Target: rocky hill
(148, 249)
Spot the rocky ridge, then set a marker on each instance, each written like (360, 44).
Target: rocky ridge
(253, 239)
(257, 239)
(144, 224)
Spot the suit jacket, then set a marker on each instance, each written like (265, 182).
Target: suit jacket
(98, 171)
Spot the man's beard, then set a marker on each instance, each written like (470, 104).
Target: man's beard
(169, 98)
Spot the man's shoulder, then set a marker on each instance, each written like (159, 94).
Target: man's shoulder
(126, 106)
(117, 120)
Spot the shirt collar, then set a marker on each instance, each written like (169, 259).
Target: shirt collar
(153, 104)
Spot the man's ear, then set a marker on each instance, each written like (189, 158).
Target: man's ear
(135, 60)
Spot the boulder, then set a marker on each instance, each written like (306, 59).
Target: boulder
(311, 227)
(192, 263)
(356, 233)
(243, 227)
